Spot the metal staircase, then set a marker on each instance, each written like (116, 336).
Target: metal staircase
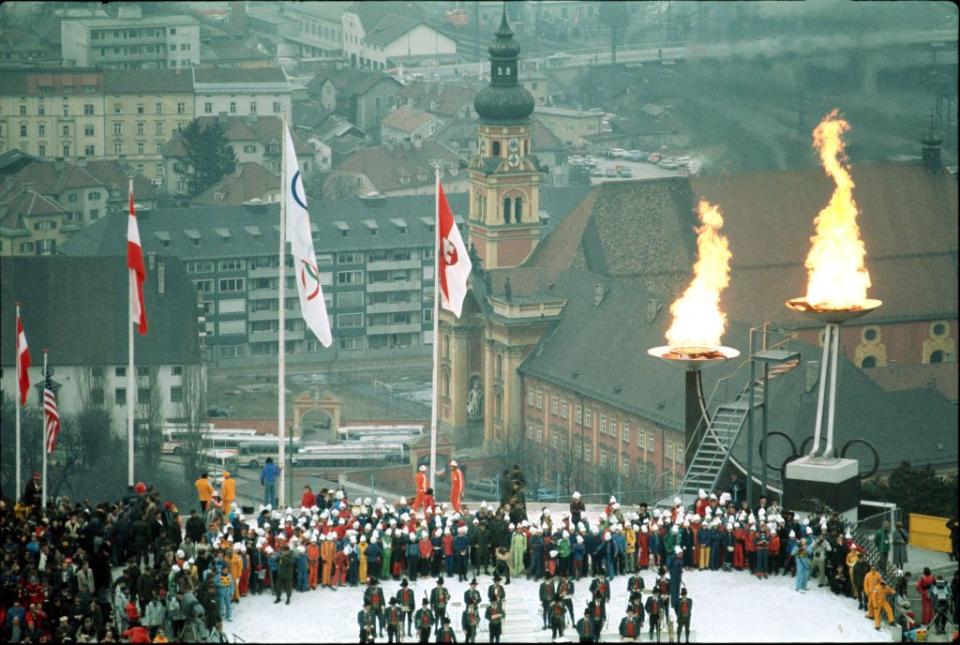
(723, 430)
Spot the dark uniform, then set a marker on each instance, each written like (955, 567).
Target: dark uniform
(470, 622)
(684, 609)
(558, 617)
(585, 628)
(367, 622)
(495, 617)
(284, 582)
(547, 593)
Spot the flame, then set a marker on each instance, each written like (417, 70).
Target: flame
(697, 319)
(836, 275)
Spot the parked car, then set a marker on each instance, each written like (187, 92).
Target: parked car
(610, 172)
(596, 172)
(545, 494)
(625, 171)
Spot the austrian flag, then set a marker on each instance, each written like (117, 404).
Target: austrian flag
(138, 274)
(453, 261)
(23, 361)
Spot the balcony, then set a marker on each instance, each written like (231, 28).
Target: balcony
(390, 265)
(263, 314)
(393, 285)
(400, 328)
(390, 307)
(264, 294)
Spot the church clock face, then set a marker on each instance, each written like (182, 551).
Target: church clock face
(513, 145)
(513, 159)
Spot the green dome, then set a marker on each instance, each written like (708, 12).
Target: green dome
(504, 100)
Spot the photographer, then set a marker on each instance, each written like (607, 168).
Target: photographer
(940, 596)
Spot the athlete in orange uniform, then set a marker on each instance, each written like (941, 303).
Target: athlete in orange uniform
(422, 481)
(456, 485)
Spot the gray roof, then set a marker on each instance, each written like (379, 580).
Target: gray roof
(77, 307)
(157, 81)
(651, 388)
(108, 234)
(239, 75)
(390, 27)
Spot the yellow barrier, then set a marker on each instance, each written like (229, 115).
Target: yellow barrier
(929, 532)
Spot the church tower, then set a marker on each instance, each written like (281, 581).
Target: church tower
(504, 176)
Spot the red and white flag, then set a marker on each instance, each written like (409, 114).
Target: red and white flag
(138, 311)
(23, 361)
(453, 261)
(51, 418)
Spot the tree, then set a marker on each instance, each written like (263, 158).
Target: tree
(209, 155)
(94, 422)
(193, 409)
(916, 490)
(616, 16)
(151, 412)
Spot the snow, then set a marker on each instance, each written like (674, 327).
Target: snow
(728, 607)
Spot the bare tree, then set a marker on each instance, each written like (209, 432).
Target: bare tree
(150, 412)
(193, 408)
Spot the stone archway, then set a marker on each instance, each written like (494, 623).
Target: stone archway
(307, 402)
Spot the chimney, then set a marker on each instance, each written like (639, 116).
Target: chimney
(599, 291)
(161, 277)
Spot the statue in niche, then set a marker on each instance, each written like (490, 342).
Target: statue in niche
(475, 399)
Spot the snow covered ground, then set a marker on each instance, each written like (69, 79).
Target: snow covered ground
(727, 607)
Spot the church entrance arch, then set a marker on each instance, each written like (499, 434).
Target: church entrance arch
(309, 402)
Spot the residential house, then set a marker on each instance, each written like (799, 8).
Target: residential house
(538, 85)
(30, 224)
(316, 29)
(371, 43)
(396, 169)
(446, 100)
(82, 196)
(254, 139)
(250, 182)
(571, 125)
(77, 307)
(131, 41)
(408, 124)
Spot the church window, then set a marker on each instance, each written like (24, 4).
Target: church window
(446, 384)
(935, 357)
(508, 70)
(526, 146)
(871, 361)
(499, 366)
(517, 209)
(506, 210)
(495, 148)
(498, 405)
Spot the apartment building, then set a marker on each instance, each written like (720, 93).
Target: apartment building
(375, 258)
(131, 41)
(142, 112)
(317, 30)
(240, 91)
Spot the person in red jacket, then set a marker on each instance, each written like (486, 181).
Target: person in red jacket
(308, 499)
(774, 551)
(456, 485)
(429, 503)
(739, 539)
(422, 481)
(643, 543)
(137, 634)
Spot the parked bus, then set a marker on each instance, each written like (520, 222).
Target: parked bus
(373, 432)
(218, 460)
(364, 453)
(174, 436)
(253, 454)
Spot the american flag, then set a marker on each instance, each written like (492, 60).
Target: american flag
(51, 418)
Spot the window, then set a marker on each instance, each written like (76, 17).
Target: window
(650, 442)
(66, 151)
(253, 107)
(249, 148)
(539, 399)
(23, 110)
(181, 108)
(231, 284)
(143, 395)
(88, 131)
(143, 371)
(350, 277)
(140, 125)
(176, 394)
(350, 299)
(140, 108)
(349, 321)
(66, 130)
(640, 436)
(588, 417)
(871, 361)
(200, 267)
(118, 147)
(554, 405)
(530, 397)
(208, 108)
(120, 396)
(173, 31)
(563, 408)
(23, 130)
(93, 195)
(89, 151)
(613, 427)
(41, 130)
(66, 110)
(120, 371)
(26, 247)
(235, 264)
(936, 356)
(88, 109)
(94, 214)
(277, 108)
(626, 431)
(233, 107)
(579, 414)
(118, 128)
(603, 424)
(158, 108)
(140, 149)
(42, 150)
(116, 108)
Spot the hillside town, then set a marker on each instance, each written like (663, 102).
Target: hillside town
(635, 302)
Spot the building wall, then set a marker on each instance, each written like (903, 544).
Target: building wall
(130, 43)
(419, 41)
(906, 343)
(373, 105)
(572, 128)
(314, 34)
(240, 100)
(75, 384)
(145, 123)
(556, 418)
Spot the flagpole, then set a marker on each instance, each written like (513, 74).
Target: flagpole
(17, 354)
(131, 378)
(43, 418)
(436, 327)
(281, 363)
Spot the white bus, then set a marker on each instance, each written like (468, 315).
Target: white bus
(218, 460)
(364, 453)
(406, 432)
(254, 453)
(174, 435)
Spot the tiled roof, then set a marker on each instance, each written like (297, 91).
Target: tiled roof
(156, 81)
(442, 99)
(51, 179)
(939, 376)
(103, 236)
(77, 306)
(251, 180)
(13, 160)
(543, 138)
(385, 167)
(644, 228)
(112, 174)
(263, 130)
(620, 373)
(239, 75)
(19, 203)
(407, 119)
(390, 27)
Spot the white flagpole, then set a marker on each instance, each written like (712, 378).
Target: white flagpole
(43, 418)
(436, 327)
(281, 366)
(17, 354)
(131, 378)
